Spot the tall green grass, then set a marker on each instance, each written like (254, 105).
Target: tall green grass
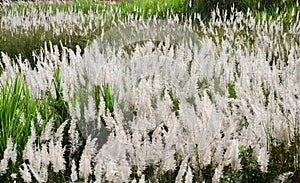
(17, 109)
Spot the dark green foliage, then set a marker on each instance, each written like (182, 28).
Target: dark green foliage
(250, 168)
(108, 98)
(16, 106)
(283, 158)
(266, 92)
(96, 95)
(60, 107)
(231, 90)
(153, 173)
(202, 86)
(175, 101)
(207, 173)
(169, 176)
(205, 7)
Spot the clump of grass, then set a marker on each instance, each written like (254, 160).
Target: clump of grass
(17, 110)
(238, 94)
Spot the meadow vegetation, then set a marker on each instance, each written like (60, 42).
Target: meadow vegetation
(140, 91)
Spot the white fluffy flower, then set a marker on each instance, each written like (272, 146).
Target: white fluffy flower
(298, 74)
(74, 175)
(56, 154)
(263, 159)
(189, 175)
(25, 174)
(74, 136)
(28, 152)
(9, 154)
(218, 174)
(182, 169)
(232, 154)
(47, 131)
(85, 168)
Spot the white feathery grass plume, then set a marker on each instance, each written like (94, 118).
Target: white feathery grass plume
(45, 158)
(99, 167)
(182, 169)
(263, 159)
(283, 177)
(14, 176)
(85, 168)
(40, 174)
(101, 111)
(143, 102)
(124, 170)
(90, 113)
(298, 74)
(112, 160)
(142, 180)
(29, 149)
(40, 79)
(25, 174)
(9, 70)
(77, 111)
(58, 135)
(47, 131)
(136, 139)
(74, 136)
(157, 151)
(74, 175)
(281, 129)
(232, 154)
(189, 129)
(169, 163)
(68, 75)
(109, 120)
(189, 175)
(247, 137)
(9, 154)
(218, 148)
(163, 112)
(38, 159)
(218, 174)
(111, 171)
(207, 157)
(56, 156)
(56, 151)
(210, 121)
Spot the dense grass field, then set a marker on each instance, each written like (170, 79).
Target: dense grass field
(150, 91)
